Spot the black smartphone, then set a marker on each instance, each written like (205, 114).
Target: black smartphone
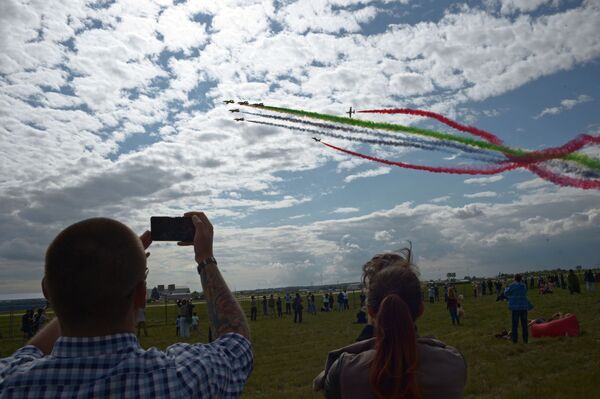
(164, 228)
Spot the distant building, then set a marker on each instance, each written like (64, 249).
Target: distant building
(172, 292)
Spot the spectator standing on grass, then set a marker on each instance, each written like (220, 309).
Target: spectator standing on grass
(341, 303)
(331, 301)
(272, 306)
(326, 302)
(518, 304)
(531, 282)
(590, 281)
(395, 363)
(184, 322)
(363, 299)
(279, 309)
(436, 291)
(253, 308)
(178, 326)
(195, 322)
(298, 308)
(95, 278)
(483, 288)
(452, 305)
(39, 319)
(312, 307)
(264, 306)
(140, 319)
(573, 281)
(27, 324)
(490, 287)
(288, 303)
(431, 294)
(563, 284)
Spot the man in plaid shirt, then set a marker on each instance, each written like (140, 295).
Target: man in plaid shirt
(95, 274)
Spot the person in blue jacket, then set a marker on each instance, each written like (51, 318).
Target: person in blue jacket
(516, 293)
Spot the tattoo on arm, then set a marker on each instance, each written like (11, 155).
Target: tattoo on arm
(224, 312)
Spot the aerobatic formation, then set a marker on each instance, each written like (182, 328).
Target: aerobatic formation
(563, 165)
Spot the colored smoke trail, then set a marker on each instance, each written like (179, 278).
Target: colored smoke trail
(483, 155)
(433, 169)
(348, 138)
(512, 158)
(564, 151)
(508, 151)
(571, 146)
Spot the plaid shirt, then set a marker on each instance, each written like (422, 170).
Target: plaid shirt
(116, 366)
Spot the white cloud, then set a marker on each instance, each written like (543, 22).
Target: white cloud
(512, 6)
(438, 200)
(346, 210)
(483, 194)
(368, 173)
(81, 86)
(565, 105)
(383, 235)
(484, 180)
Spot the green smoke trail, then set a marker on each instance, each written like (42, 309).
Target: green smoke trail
(575, 157)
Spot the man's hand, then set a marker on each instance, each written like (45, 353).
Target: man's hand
(203, 238)
(146, 239)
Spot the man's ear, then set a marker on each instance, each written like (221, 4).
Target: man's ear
(139, 296)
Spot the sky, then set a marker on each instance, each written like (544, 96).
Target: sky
(115, 109)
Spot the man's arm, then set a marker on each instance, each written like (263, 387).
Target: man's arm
(224, 312)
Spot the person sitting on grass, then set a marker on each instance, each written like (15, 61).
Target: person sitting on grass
(95, 279)
(395, 363)
(361, 316)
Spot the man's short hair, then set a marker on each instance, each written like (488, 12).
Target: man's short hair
(92, 269)
(518, 277)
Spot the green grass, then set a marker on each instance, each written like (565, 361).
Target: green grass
(288, 356)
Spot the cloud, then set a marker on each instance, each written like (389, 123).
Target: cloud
(368, 173)
(484, 180)
(565, 105)
(438, 200)
(346, 210)
(468, 212)
(113, 111)
(383, 235)
(512, 6)
(483, 194)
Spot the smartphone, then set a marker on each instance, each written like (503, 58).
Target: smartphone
(164, 228)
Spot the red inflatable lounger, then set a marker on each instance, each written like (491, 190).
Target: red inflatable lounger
(569, 326)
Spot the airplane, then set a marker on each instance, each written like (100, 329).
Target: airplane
(259, 105)
(316, 139)
(234, 110)
(239, 119)
(350, 112)
(243, 103)
(228, 102)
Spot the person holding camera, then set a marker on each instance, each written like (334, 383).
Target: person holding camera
(95, 279)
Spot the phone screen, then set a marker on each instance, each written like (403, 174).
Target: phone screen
(164, 228)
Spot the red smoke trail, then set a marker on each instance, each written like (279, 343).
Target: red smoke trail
(428, 114)
(532, 157)
(461, 171)
(527, 160)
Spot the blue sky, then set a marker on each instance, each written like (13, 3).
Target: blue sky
(114, 109)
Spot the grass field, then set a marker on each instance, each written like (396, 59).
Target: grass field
(288, 355)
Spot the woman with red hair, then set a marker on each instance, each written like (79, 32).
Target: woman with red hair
(396, 362)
